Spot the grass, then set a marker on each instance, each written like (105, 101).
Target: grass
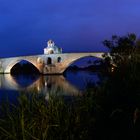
(38, 119)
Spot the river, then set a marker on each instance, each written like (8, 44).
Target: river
(72, 83)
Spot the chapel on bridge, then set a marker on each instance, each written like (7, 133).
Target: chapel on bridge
(52, 48)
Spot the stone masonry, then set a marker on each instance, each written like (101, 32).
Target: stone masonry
(47, 63)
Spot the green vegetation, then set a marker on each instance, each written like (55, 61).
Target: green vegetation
(110, 110)
(35, 118)
(121, 48)
(122, 45)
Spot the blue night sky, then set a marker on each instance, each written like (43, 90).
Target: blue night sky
(74, 25)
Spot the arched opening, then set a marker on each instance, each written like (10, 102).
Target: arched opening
(59, 59)
(49, 61)
(84, 71)
(24, 73)
(84, 63)
(24, 67)
(51, 52)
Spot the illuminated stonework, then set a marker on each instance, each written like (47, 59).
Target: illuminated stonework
(52, 48)
(47, 64)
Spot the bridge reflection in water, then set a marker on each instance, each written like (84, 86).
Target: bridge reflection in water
(41, 84)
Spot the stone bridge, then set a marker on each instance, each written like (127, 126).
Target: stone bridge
(47, 63)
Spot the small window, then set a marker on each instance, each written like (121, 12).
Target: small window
(49, 61)
(59, 59)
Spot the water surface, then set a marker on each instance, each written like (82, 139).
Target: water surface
(72, 84)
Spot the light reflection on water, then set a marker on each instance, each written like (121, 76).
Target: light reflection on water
(74, 83)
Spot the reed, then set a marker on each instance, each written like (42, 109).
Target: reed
(35, 118)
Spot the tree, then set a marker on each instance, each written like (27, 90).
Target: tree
(121, 48)
(138, 45)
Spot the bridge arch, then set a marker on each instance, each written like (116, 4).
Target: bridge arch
(75, 59)
(12, 63)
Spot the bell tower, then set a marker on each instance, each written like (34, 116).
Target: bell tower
(50, 43)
